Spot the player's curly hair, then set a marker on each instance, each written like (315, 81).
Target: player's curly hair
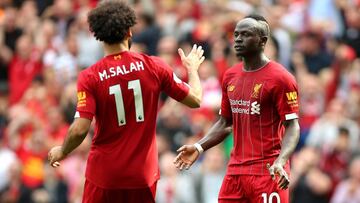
(110, 21)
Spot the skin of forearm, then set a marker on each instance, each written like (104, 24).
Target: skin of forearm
(74, 138)
(217, 133)
(194, 82)
(291, 139)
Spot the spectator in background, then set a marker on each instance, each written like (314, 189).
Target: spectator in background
(316, 57)
(24, 66)
(181, 23)
(65, 65)
(10, 28)
(7, 157)
(89, 50)
(174, 124)
(167, 50)
(208, 180)
(280, 35)
(312, 103)
(173, 186)
(9, 33)
(147, 33)
(348, 191)
(211, 86)
(324, 132)
(15, 190)
(351, 33)
(309, 184)
(53, 189)
(334, 159)
(61, 12)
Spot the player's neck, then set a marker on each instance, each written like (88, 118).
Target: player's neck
(110, 49)
(255, 62)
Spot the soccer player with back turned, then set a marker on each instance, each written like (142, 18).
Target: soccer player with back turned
(259, 101)
(122, 91)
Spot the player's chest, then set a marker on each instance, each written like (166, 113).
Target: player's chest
(249, 96)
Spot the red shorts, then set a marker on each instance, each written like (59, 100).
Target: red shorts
(95, 194)
(251, 189)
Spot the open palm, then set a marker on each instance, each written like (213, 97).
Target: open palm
(186, 157)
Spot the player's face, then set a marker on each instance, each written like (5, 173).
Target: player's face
(247, 40)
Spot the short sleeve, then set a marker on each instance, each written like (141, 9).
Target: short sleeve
(225, 110)
(286, 97)
(86, 105)
(170, 83)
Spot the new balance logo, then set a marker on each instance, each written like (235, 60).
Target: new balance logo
(255, 108)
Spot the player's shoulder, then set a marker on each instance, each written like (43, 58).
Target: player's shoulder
(150, 61)
(235, 69)
(87, 72)
(280, 72)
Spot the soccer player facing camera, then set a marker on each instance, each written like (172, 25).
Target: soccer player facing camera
(259, 101)
(122, 91)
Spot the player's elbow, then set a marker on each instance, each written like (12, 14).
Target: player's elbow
(192, 101)
(196, 102)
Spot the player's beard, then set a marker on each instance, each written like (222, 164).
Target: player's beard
(129, 42)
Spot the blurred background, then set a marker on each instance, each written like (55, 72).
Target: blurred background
(45, 43)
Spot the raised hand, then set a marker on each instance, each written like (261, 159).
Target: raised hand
(193, 60)
(186, 157)
(277, 169)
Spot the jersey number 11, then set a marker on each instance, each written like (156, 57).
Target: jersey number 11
(120, 110)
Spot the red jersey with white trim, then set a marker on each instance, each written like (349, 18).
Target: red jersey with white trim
(121, 91)
(258, 102)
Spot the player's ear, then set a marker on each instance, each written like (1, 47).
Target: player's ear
(263, 40)
(129, 33)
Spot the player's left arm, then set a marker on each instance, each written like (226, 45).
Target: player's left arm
(76, 134)
(289, 142)
(285, 95)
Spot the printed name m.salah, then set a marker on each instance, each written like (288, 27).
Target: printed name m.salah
(122, 69)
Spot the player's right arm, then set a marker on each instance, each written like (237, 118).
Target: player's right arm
(189, 94)
(217, 133)
(78, 130)
(192, 62)
(188, 154)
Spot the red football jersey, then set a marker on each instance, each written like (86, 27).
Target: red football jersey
(257, 102)
(122, 92)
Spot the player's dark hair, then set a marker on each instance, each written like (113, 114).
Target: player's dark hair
(344, 130)
(264, 30)
(257, 17)
(111, 20)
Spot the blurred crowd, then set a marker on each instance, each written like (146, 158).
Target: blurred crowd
(45, 43)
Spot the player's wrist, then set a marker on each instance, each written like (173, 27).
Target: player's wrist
(280, 161)
(199, 148)
(192, 70)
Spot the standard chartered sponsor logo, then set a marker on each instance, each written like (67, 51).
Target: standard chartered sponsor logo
(240, 110)
(240, 102)
(244, 107)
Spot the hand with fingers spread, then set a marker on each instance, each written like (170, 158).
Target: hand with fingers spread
(55, 155)
(277, 169)
(186, 157)
(193, 60)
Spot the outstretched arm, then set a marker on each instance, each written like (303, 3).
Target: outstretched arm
(291, 139)
(189, 153)
(192, 63)
(76, 134)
